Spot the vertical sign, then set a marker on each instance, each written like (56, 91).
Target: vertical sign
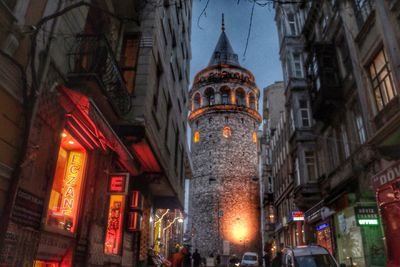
(114, 225)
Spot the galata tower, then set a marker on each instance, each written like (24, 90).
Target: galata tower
(224, 207)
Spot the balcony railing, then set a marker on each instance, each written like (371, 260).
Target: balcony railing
(91, 55)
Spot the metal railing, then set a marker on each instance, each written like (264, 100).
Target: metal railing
(92, 55)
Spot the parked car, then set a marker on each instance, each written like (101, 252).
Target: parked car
(233, 261)
(249, 259)
(308, 256)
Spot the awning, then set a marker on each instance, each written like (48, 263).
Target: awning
(84, 112)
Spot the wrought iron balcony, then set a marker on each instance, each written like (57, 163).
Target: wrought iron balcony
(91, 57)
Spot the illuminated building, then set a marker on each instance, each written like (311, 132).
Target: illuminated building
(93, 137)
(224, 193)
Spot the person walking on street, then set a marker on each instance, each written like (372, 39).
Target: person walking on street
(277, 261)
(196, 258)
(266, 259)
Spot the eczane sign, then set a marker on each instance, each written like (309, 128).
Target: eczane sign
(386, 176)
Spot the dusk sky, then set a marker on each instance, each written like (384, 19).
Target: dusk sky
(262, 57)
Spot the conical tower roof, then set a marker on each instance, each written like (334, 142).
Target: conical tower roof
(223, 52)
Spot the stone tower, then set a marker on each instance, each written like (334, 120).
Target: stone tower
(224, 193)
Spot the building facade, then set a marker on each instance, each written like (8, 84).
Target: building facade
(348, 52)
(273, 107)
(224, 193)
(87, 157)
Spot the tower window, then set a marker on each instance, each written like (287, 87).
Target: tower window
(227, 132)
(254, 137)
(196, 137)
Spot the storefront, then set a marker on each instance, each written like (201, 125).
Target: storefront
(358, 236)
(319, 226)
(91, 166)
(387, 187)
(324, 235)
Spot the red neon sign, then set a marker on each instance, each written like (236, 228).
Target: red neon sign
(114, 226)
(117, 183)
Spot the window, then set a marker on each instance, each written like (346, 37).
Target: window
(297, 171)
(297, 66)
(345, 140)
(310, 165)
(210, 98)
(225, 95)
(65, 193)
(252, 101)
(240, 97)
(359, 125)
(196, 101)
(363, 8)
(291, 121)
(304, 113)
(381, 80)
(196, 137)
(227, 132)
(292, 24)
(255, 137)
(130, 52)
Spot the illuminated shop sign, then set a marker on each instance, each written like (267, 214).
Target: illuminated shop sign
(136, 200)
(72, 183)
(298, 215)
(366, 216)
(134, 221)
(322, 226)
(113, 238)
(66, 189)
(118, 183)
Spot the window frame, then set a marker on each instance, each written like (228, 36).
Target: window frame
(376, 81)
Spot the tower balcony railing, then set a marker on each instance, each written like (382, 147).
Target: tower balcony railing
(224, 107)
(91, 56)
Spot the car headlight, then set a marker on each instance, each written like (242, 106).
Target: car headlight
(237, 264)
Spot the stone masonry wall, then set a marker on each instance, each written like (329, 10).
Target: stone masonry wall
(224, 172)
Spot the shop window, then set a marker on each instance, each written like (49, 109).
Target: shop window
(196, 137)
(381, 79)
(66, 190)
(130, 52)
(227, 132)
(114, 231)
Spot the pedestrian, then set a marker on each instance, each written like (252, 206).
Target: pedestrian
(277, 261)
(196, 258)
(210, 261)
(187, 259)
(266, 259)
(218, 260)
(177, 258)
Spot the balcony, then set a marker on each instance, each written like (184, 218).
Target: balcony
(326, 89)
(93, 68)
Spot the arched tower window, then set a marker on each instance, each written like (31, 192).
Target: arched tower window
(196, 136)
(210, 96)
(196, 101)
(240, 97)
(225, 95)
(227, 132)
(252, 101)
